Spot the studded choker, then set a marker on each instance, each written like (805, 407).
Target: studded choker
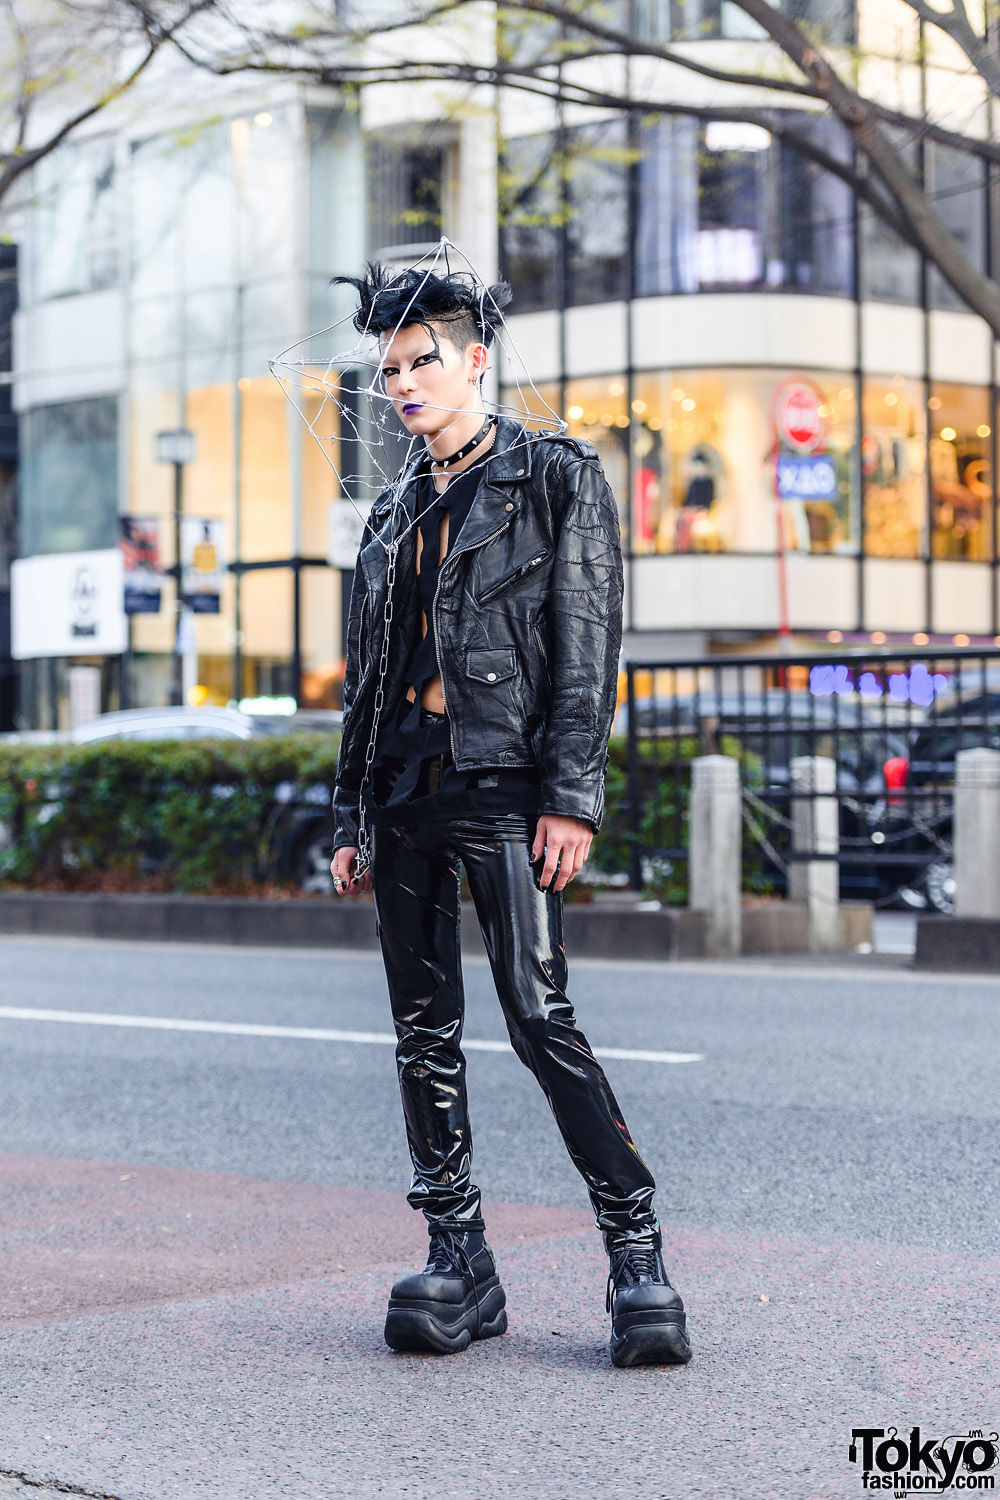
(463, 452)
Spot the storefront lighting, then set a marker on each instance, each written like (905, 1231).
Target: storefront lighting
(960, 639)
(921, 638)
(244, 382)
(878, 637)
(834, 636)
(575, 413)
(607, 419)
(590, 419)
(934, 403)
(616, 388)
(949, 434)
(899, 380)
(263, 119)
(688, 405)
(982, 430)
(825, 411)
(677, 394)
(621, 421)
(891, 398)
(638, 407)
(672, 424)
(654, 424)
(845, 394)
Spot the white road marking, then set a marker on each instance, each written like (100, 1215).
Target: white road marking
(298, 1033)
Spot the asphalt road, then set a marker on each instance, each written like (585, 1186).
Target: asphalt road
(201, 1227)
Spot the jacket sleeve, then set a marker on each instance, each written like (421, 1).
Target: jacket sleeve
(351, 758)
(585, 616)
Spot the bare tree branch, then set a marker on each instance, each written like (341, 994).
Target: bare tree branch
(955, 23)
(30, 88)
(926, 229)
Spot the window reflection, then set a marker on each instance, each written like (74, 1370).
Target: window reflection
(597, 213)
(718, 206)
(957, 187)
(68, 476)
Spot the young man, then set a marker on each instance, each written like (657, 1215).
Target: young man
(476, 733)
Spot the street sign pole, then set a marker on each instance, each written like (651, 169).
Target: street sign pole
(178, 447)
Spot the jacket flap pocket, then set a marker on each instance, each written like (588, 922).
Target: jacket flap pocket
(491, 666)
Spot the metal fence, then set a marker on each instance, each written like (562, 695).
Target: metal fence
(891, 721)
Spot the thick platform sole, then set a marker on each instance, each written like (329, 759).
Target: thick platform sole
(421, 1325)
(651, 1339)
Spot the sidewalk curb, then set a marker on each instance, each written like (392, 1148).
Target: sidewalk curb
(963, 944)
(590, 932)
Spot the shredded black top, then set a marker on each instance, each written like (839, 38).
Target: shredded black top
(414, 774)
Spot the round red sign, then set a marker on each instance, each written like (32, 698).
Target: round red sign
(798, 416)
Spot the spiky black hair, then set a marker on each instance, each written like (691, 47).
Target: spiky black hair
(467, 311)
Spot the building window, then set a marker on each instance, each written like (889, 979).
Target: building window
(833, 21)
(597, 218)
(530, 218)
(957, 188)
(961, 480)
(893, 463)
(73, 228)
(69, 476)
(718, 206)
(406, 191)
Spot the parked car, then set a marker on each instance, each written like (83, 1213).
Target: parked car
(769, 728)
(202, 724)
(915, 813)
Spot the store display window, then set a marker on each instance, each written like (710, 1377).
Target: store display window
(893, 462)
(711, 467)
(715, 456)
(959, 445)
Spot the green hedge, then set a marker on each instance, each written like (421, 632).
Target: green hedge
(188, 816)
(173, 815)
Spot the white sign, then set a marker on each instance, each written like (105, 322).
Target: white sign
(345, 529)
(68, 604)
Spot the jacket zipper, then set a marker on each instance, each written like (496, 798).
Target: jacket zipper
(434, 614)
(521, 572)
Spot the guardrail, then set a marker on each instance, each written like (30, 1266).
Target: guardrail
(890, 723)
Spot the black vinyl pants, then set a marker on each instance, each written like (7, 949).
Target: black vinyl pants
(416, 882)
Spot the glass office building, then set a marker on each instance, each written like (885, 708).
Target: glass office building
(763, 366)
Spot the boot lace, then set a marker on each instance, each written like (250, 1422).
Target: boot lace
(631, 1263)
(447, 1255)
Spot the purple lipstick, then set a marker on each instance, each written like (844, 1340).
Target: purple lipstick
(412, 406)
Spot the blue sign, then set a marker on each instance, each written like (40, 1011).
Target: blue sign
(916, 686)
(807, 476)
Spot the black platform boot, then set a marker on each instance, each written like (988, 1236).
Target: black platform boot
(455, 1299)
(647, 1314)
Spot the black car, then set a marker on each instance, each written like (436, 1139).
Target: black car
(914, 817)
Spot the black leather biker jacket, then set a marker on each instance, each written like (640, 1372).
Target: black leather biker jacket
(527, 617)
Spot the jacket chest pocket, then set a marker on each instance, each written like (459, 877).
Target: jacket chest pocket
(510, 579)
(490, 666)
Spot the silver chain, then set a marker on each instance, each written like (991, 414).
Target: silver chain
(364, 859)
